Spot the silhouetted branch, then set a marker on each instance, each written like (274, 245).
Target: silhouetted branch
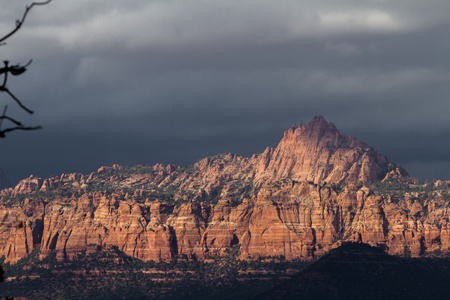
(19, 126)
(20, 22)
(10, 119)
(15, 70)
(4, 89)
(2, 132)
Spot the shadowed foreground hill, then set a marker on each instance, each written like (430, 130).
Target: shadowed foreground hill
(359, 271)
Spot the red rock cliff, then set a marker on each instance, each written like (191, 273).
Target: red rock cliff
(296, 219)
(284, 201)
(317, 152)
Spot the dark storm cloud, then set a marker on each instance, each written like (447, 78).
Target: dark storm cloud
(141, 82)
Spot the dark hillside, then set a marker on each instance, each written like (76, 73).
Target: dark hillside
(359, 271)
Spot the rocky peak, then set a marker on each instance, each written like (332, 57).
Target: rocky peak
(28, 185)
(318, 132)
(319, 126)
(319, 152)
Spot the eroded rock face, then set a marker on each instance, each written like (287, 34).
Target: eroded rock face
(295, 220)
(284, 201)
(316, 152)
(28, 185)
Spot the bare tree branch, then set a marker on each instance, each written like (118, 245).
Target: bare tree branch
(20, 22)
(15, 70)
(2, 132)
(5, 117)
(18, 127)
(5, 89)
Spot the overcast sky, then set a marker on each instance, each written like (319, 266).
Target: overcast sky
(172, 81)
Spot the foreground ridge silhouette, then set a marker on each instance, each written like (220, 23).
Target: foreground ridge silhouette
(359, 271)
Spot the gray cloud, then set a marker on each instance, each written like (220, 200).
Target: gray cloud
(140, 82)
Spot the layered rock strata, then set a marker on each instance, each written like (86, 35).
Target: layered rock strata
(296, 220)
(285, 201)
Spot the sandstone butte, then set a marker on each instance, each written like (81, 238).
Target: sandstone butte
(297, 200)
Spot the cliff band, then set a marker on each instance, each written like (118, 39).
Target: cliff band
(297, 200)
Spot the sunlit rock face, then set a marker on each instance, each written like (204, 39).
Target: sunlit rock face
(297, 200)
(317, 152)
(294, 220)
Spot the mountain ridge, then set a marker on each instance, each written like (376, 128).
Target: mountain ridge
(318, 152)
(297, 200)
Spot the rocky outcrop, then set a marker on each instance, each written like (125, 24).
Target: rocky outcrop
(294, 220)
(296, 200)
(317, 152)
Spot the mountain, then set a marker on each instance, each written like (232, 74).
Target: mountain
(298, 200)
(318, 152)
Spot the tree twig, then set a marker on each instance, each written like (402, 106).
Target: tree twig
(9, 119)
(2, 132)
(15, 70)
(20, 22)
(4, 116)
(6, 90)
